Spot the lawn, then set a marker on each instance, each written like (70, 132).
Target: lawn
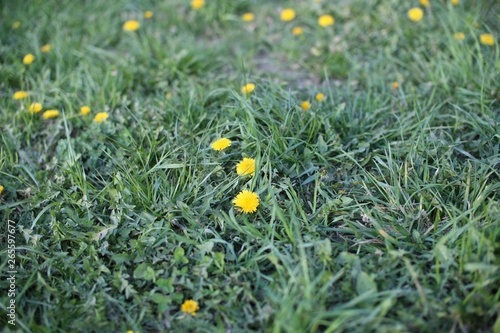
(250, 166)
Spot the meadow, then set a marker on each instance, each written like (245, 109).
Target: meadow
(250, 166)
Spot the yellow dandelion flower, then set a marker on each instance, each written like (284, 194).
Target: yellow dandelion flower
(326, 20)
(425, 3)
(459, 36)
(287, 14)
(1, 189)
(50, 114)
(297, 31)
(35, 107)
(415, 14)
(247, 201)
(246, 167)
(20, 95)
(28, 59)
(148, 14)
(305, 105)
(455, 2)
(101, 116)
(190, 307)
(320, 97)
(168, 95)
(16, 25)
(248, 88)
(221, 144)
(197, 4)
(395, 85)
(131, 25)
(487, 39)
(46, 48)
(84, 110)
(247, 17)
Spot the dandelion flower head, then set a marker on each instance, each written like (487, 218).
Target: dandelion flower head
(246, 167)
(287, 14)
(326, 20)
(84, 110)
(425, 3)
(487, 39)
(455, 2)
(197, 4)
(247, 17)
(50, 114)
(46, 48)
(35, 107)
(16, 25)
(248, 88)
(101, 116)
(20, 95)
(221, 144)
(28, 59)
(395, 85)
(415, 14)
(247, 201)
(1, 189)
(148, 14)
(459, 36)
(306, 105)
(297, 31)
(131, 25)
(190, 307)
(320, 97)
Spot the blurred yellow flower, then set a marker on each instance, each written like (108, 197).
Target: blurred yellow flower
(297, 31)
(20, 94)
(455, 2)
(101, 116)
(197, 4)
(45, 48)
(246, 167)
(487, 39)
(425, 3)
(247, 201)
(35, 107)
(305, 105)
(190, 307)
(326, 20)
(84, 110)
(16, 25)
(395, 85)
(320, 97)
(131, 25)
(50, 114)
(247, 17)
(248, 88)
(148, 14)
(415, 14)
(28, 59)
(459, 36)
(287, 14)
(221, 144)
(1, 189)
(168, 95)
